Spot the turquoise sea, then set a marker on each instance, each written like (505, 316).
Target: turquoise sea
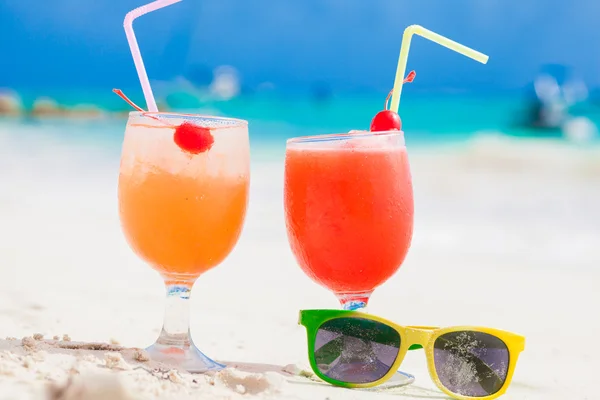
(273, 118)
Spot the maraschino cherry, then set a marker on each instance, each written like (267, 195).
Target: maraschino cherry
(190, 138)
(193, 138)
(388, 120)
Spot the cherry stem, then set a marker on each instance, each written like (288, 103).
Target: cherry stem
(409, 78)
(122, 95)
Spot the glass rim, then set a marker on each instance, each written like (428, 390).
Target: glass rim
(167, 114)
(342, 136)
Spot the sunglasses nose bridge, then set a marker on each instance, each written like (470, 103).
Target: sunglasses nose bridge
(418, 336)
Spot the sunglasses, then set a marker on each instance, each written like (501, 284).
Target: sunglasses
(357, 350)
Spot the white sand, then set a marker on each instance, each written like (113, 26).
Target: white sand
(506, 236)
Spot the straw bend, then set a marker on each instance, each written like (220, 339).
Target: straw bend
(409, 32)
(138, 12)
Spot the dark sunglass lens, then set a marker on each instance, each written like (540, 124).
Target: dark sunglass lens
(471, 363)
(355, 350)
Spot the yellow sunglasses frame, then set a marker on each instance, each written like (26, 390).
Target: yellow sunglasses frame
(411, 338)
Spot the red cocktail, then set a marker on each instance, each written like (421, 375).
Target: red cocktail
(349, 210)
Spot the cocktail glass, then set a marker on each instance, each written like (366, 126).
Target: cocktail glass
(182, 212)
(349, 212)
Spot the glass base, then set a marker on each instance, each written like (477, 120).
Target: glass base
(398, 380)
(188, 358)
(174, 345)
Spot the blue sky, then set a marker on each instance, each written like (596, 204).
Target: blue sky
(351, 44)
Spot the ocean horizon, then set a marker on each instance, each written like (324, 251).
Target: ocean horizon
(275, 117)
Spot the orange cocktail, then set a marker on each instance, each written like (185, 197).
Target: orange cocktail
(349, 209)
(182, 214)
(183, 193)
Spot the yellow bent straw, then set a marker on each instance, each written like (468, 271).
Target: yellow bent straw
(434, 37)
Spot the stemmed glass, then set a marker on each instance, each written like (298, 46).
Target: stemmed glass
(349, 212)
(183, 194)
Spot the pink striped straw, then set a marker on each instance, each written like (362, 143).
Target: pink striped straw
(135, 50)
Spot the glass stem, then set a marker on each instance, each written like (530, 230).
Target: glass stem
(176, 326)
(354, 301)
